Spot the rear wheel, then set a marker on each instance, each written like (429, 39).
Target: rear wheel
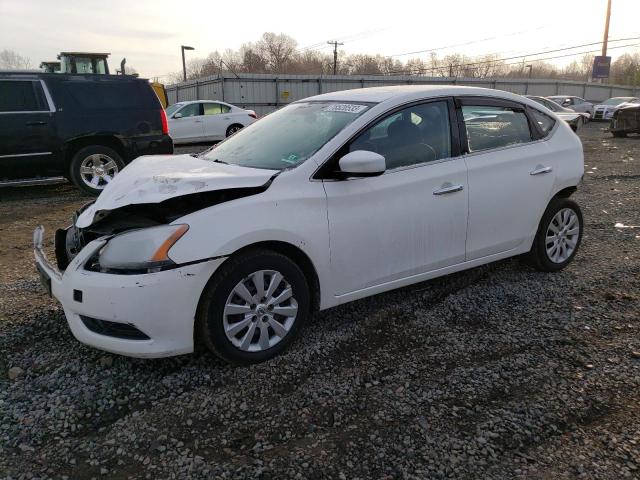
(253, 307)
(233, 129)
(559, 236)
(94, 167)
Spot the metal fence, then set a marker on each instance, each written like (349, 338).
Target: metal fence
(265, 92)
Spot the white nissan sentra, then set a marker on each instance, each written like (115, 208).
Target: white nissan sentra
(328, 200)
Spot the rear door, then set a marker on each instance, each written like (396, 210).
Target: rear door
(27, 130)
(510, 173)
(189, 127)
(216, 120)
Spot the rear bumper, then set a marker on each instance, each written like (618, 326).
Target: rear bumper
(161, 305)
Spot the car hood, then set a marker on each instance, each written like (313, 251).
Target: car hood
(156, 178)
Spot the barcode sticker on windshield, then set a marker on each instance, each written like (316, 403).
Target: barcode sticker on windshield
(345, 107)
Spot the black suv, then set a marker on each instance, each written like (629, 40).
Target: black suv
(83, 127)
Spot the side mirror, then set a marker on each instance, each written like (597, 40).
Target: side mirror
(362, 163)
(177, 115)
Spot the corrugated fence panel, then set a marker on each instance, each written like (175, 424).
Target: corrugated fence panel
(265, 93)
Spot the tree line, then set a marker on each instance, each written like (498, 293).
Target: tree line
(280, 54)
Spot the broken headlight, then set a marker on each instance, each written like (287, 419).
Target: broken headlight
(146, 249)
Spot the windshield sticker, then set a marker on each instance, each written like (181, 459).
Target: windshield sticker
(291, 159)
(345, 107)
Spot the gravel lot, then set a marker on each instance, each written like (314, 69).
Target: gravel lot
(498, 372)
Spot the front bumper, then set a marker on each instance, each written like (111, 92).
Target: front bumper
(162, 305)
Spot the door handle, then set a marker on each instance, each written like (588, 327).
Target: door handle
(540, 169)
(35, 124)
(448, 188)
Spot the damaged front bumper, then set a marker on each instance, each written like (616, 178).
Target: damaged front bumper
(142, 315)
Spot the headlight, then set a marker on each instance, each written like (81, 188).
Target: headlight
(143, 249)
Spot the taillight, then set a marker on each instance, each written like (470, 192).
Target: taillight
(253, 115)
(165, 122)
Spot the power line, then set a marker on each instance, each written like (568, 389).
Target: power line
(532, 55)
(445, 47)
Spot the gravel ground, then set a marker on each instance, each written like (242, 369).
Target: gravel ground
(500, 372)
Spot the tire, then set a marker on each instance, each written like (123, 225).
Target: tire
(245, 318)
(236, 127)
(619, 134)
(543, 256)
(94, 162)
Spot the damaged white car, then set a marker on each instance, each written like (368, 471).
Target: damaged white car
(328, 200)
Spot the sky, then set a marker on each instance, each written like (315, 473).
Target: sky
(149, 33)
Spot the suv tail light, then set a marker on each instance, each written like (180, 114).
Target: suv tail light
(165, 122)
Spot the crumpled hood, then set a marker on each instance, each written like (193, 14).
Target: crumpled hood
(155, 178)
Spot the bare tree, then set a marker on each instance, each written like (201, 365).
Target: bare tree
(277, 50)
(10, 60)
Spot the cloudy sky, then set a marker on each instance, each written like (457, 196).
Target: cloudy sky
(149, 33)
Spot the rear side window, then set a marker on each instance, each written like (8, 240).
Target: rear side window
(215, 108)
(111, 95)
(21, 96)
(544, 121)
(491, 127)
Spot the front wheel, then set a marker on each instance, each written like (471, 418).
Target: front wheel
(559, 236)
(253, 307)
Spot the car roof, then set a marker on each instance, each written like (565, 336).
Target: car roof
(402, 93)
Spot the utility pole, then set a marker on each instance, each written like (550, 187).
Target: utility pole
(530, 67)
(605, 40)
(335, 54)
(184, 65)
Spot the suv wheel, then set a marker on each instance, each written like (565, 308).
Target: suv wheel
(93, 167)
(559, 236)
(253, 307)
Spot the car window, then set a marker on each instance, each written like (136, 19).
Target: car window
(225, 108)
(191, 110)
(417, 134)
(111, 95)
(544, 121)
(494, 127)
(21, 96)
(577, 101)
(212, 108)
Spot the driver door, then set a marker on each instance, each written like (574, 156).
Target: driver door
(408, 221)
(188, 127)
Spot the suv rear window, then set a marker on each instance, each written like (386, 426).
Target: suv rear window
(21, 96)
(111, 95)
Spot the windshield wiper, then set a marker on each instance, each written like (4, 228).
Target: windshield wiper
(220, 161)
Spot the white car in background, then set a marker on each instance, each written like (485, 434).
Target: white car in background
(604, 110)
(206, 120)
(576, 104)
(330, 199)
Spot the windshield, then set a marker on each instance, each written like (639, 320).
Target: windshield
(172, 108)
(287, 137)
(615, 101)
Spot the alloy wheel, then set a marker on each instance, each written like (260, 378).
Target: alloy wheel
(562, 235)
(259, 311)
(97, 170)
